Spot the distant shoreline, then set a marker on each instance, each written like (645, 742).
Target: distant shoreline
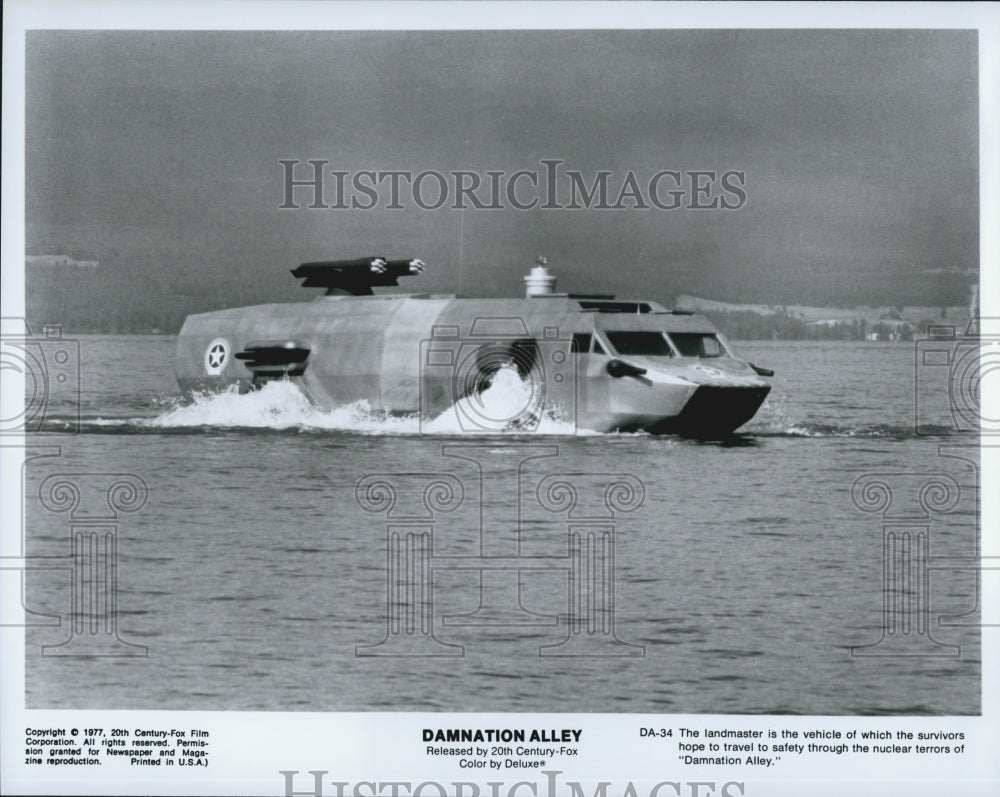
(803, 322)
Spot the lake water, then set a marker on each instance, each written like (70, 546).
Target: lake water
(745, 577)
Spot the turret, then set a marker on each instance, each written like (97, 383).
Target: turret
(540, 282)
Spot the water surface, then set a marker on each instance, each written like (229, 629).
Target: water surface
(253, 575)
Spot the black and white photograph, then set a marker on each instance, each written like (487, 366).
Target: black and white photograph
(495, 399)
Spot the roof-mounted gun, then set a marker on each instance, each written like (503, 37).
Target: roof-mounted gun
(356, 277)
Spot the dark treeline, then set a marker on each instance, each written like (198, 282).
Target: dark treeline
(746, 325)
(839, 288)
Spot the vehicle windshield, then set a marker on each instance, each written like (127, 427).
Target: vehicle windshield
(648, 344)
(697, 344)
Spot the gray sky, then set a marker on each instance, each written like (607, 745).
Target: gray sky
(157, 153)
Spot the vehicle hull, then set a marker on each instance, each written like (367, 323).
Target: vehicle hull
(424, 355)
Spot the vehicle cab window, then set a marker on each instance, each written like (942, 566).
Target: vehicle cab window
(581, 342)
(697, 344)
(640, 343)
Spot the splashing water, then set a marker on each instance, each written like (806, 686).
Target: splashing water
(280, 405)
(508, 405)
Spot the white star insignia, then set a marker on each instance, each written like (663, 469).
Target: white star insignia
(216, 356)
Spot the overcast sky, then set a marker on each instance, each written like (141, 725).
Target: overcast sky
(158, 153)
